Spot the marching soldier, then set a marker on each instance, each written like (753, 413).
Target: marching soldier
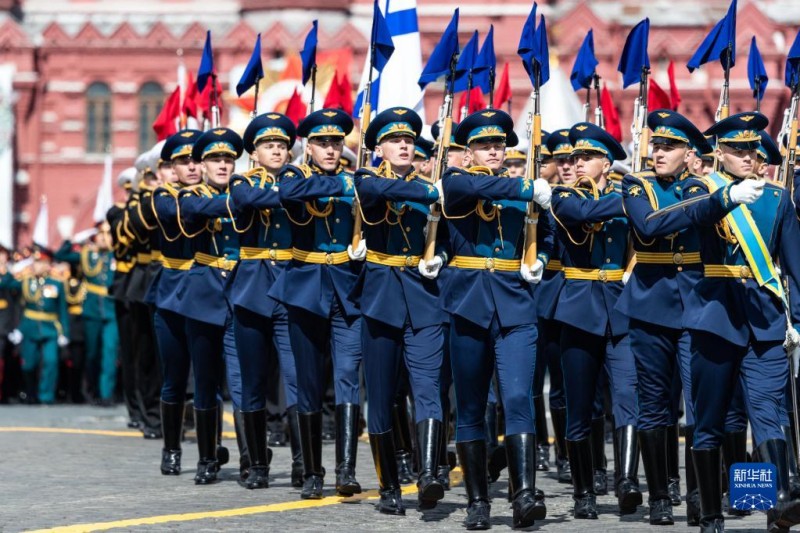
(318, 199)
(667, 268)
(205, 222)
(44, 327)
(559, 145)
(101, 335)
(398, 297)
(594, 232)
(261, 325)
(423, 156)
(492, 308)
(515, 160)
(738, 312)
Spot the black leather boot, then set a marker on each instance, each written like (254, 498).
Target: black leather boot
(786, 512)
(472, 456)
(223, 454)
(443, 471)
(383, 453)
(791, 457)
(496, 452)
(580, 458)
(653, 444)
(297, 449)
(734, 450)
(692, 493)
(172, 428)
(599, 461)
(347, 416)
(522, 480)
(206, 423)
(311, 443)
(564, 471)
(629, 497)
(542, 436)
(241, 444)
(706, 469)
(430, 489)
(255, 432)
(673, 465)
(404, 447)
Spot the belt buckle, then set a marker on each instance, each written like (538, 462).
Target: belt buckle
(409, 261)
(489, 264)
(602, 275)
(677, 258)
(328, 259)
(744, 272)
(272, 254)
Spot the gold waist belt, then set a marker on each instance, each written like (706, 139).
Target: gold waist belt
(728, 271)
(99, 290)
(40, 315)
(593, 274)
(176, 264)
(247, 252)
(554, 264)
(320, 258)
(392, 260)
(486, 263)
(213, 261)
(668, 258)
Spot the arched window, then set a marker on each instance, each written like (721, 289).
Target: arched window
(151, 98)
(98, 118)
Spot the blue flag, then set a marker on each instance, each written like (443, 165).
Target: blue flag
(381, 39)
(466, 64)
(719, 43)
(756, 72)
(254, 70)
(442, 55)
(634, 54)
(792, 74)
(526, 40)
(486, 64)
(585, 64)
(542, 55)
(206, 69)
(309, 52)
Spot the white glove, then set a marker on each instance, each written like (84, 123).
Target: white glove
(542, 193)
(625, 277)
(62, 341)
(747, 191)
(438, 186)
(430, 269)
(360, 253)
(792, 339)
(532, 275)
(15, 337)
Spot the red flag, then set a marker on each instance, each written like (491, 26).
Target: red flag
(202, 100)
(340, 95)
(657, 98)
(610, 114)
(503, 92)
(166, 121)
(674, 95)
(295, 109)
(476, 103)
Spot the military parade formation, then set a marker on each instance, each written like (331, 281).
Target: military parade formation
(423, 289)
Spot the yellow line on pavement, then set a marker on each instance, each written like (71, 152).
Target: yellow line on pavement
(72, 431)
(455, 477)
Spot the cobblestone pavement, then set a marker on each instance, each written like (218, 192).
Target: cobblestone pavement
(85, 471)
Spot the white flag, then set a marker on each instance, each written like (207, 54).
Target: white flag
(105, 195)
(41, 231)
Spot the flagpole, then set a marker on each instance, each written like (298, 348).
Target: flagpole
(254, 112)
(724, 98)
(465, 108)
(598, 110)
(313, 87)
(758, 94)
(492, 75)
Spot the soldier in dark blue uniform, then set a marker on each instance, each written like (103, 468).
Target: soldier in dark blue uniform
(667, 268)
(205, 221)
(738, 313)
(177, 257)
(261, 324)
(493, 312)
(318, 199)
(423, 156)
(398, 297)
(594, 232)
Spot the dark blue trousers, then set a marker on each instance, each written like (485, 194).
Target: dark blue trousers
(312, 336)
(549, 359)
(386, 349)
(476, 353)
(583, 358)
(213, 350)
(170, 330)
(258, 339)
(761, 368)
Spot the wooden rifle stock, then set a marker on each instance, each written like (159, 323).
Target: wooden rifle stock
(532, 172)
(363, 153)
(438, 172)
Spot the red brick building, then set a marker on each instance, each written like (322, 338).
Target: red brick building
(78, 76)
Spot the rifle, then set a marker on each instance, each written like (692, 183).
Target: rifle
(785, 172)
(639, 126)
(533, 166)
(362, 158)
